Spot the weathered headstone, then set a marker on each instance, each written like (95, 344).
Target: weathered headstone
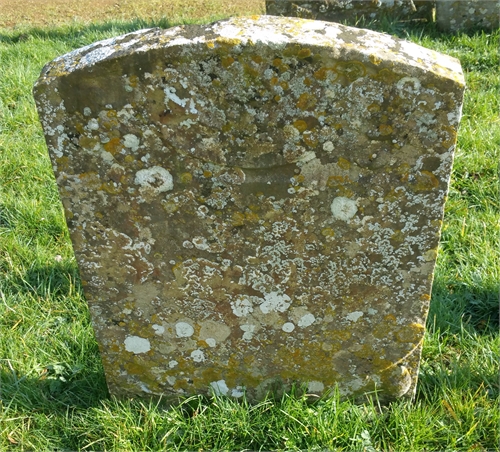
(456, 15)
(254, 202)
(348, 10)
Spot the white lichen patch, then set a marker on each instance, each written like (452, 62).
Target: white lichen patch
(198, 356)
(156, 179)
(131, 141)
(343, 208)
(219, 387)
(183, 329)
(288, 327)
(315, 387)
(211, 342)
(136, 344)
(159, 329)
(354, 316)
(275, 302)
(306, 320)
(242, 306)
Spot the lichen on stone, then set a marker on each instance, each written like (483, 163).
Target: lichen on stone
(255, 202)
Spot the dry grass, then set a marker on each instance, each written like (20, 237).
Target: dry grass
(21, 13)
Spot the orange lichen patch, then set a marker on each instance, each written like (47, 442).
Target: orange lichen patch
(227, 61)
(257, 59)
(274, 81)
(385, 129)
(352, 70)
(208, 174)
(306, 101)
(425, 181)
(113, 146)
(344, 164)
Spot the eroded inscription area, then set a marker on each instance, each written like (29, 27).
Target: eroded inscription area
(255, 201)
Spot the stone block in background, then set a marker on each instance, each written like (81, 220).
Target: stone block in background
(458, 15)
(350, 10)
(255, 202)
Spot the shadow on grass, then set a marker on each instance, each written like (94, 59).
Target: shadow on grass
(455, 304)
(54, 388)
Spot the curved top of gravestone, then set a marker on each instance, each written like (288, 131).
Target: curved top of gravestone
(268, 30)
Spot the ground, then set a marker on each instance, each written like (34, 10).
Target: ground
(20, 13)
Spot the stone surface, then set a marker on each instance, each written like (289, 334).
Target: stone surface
(342, 10)
(455, 15)
(255, 202)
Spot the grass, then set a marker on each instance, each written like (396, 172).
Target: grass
(52, 389)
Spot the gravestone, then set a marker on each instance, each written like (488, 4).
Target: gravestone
(457, 15)
(349, 10)
(254, 203)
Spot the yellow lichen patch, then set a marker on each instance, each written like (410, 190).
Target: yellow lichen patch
(250, 70)
(186, 178)
(224, 41)
(170, 206)
(306, 101)
(62, 163)
(304, 53)
(398, 236)
(343, 163)
(257, 59)
(111, 188)
(375, 59)
(208, 174)
(373, 108)
(430, 255)
(327, 232)
(411, 334)
(238, 219)
(227, 61)
(309, 139)
(451, 136)
(352, 70)
(337, 181)
(385, 129)
(425, 181)
(113, 146)
(386, 76)
(274, 81)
